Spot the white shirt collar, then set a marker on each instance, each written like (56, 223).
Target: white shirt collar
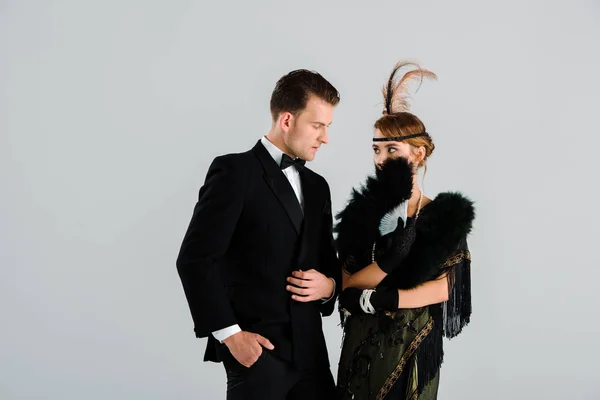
(272, 149)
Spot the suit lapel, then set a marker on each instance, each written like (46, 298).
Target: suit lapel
(311, 211)
(280, 186)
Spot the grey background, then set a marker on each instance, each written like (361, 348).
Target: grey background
(110, 113)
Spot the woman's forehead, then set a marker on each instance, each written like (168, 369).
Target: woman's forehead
(386, 145)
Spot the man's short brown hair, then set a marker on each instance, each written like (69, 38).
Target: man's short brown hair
(292, 91)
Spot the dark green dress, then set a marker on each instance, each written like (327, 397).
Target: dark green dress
(382, 354)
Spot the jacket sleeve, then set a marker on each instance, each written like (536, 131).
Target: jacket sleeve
(209, 233)
(330, 264)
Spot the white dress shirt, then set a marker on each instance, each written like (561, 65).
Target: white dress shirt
(293, 177)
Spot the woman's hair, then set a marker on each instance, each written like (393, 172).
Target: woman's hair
(397, 121)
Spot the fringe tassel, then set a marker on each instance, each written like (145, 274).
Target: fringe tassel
(449, 318)
(430, 354)
(457, 309)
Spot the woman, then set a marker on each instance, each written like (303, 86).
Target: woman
(406, 271)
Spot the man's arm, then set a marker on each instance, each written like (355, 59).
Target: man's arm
(207, 238)
(330, 263)
(324, 285)
(215, 218)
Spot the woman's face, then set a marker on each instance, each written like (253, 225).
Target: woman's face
(384, 150)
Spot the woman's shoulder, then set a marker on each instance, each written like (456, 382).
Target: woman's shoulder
(450, 204)
(448, 212)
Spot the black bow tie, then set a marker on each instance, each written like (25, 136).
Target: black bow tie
(287, 161)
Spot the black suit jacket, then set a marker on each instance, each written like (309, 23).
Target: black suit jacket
(246, 236)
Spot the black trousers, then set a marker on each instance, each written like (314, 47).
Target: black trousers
(272, 378)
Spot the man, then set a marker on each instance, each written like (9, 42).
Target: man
(258, 264)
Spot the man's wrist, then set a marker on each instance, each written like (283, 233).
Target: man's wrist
(325, 300)
(225, 333)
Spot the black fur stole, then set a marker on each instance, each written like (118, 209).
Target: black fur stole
(442, 226)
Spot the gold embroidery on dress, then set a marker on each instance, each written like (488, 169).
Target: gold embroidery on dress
(458, 257)
(387, 386)
(414, 396)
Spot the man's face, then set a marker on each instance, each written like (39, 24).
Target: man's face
(308, 130)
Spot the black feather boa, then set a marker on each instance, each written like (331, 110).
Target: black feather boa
(441, 226)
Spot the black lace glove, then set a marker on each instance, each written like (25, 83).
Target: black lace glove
(392, 249)
(382, 299)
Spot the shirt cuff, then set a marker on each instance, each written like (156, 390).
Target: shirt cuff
(224, 333)
(332, 293)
